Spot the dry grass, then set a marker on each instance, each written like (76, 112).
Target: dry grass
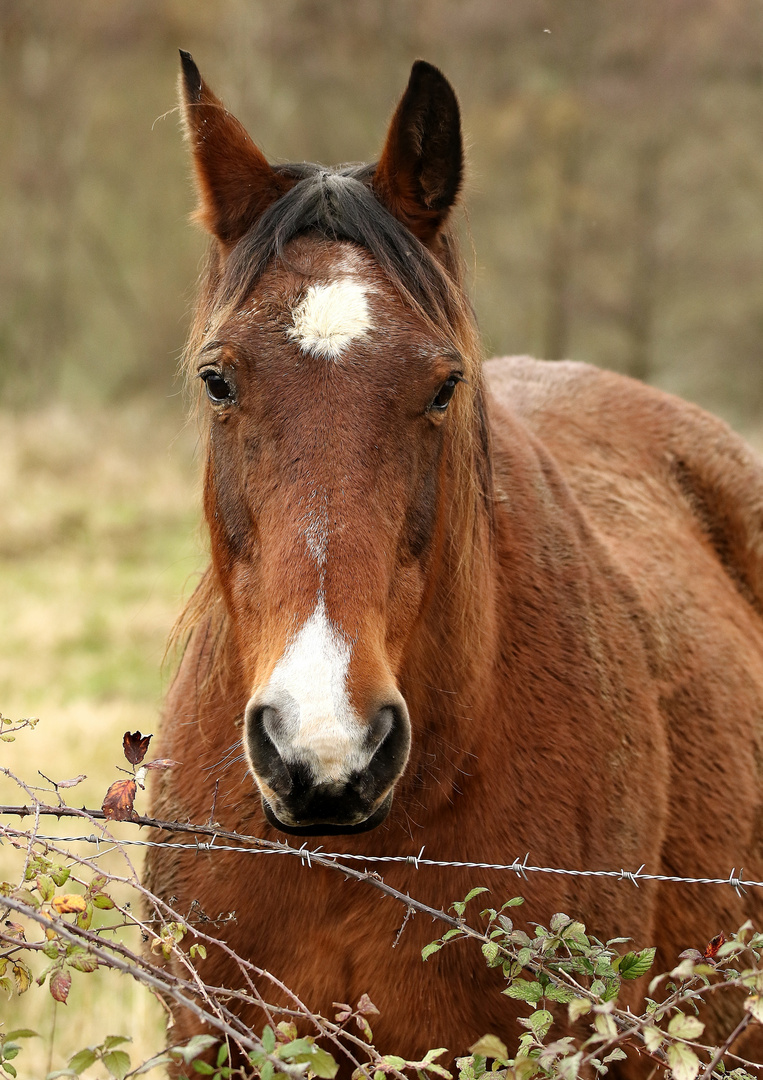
(99, 544)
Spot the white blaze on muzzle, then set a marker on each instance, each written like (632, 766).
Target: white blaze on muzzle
(317, 723)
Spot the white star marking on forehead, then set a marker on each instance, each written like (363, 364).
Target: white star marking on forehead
(331, 316)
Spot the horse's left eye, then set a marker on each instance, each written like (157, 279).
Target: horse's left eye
(442, 398)
(218, 389)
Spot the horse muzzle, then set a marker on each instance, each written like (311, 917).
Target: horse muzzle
(326, 778)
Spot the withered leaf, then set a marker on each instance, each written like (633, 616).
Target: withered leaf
(22, 975)
(118, 804)
(66, 903)
(161, 763)
(713, 946)
(71, 783)
(367, 1007)
(135, 746)
(60, 982)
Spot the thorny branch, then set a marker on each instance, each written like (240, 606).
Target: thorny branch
(208, 1003)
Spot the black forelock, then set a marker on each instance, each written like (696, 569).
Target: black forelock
(339, 204)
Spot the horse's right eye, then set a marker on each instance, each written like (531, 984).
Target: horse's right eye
(219, 389)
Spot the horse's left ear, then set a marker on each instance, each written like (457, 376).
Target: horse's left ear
(419, 173)
(234, 179)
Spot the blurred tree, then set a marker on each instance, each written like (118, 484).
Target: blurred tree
(614, 195)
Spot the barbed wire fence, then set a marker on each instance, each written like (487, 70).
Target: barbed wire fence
(253, 845)
(176, 940)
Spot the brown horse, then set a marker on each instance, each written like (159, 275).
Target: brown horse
(493, 609)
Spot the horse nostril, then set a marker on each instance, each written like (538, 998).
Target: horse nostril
(389, 741)
(265, 728)
(380, 727)
(272, 722)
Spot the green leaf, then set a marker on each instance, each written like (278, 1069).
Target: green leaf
(22, 1033)
(267, 1071)
(5, 1066)
(492, 953)
(268, 1039)
(523, 990)
(117, 1062)
(103, 901)
(82, 1060)
(682, 1026)
(203, 1068)
(297, 1046)
(198, 950)
(428, 950)
(222, 1054)
(432, 1054)
(115, 1040)
(60, 874)
(616, 1055)
(635, 964)
(396, 1062)
(304, 1051)
(81, 960)
(475, 892)
(539, 1022)
(683, 1061)
(514, 902)
(490, 1046)
(46, 886)
(323, 1064)
(560, 993)
(576, 932)
(196, 1045)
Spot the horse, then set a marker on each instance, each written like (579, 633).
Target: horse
(487, 606)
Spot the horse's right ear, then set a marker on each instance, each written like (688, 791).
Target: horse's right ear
(234, 180)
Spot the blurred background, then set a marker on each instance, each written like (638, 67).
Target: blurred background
(614, 214)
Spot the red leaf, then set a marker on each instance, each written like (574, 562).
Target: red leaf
(135, 746)
(161, 763)
(713, 946)
(118, 804)
(60, 981)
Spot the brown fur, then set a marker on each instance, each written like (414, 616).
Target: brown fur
(574, 623)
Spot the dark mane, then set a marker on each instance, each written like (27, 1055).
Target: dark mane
(340, 205)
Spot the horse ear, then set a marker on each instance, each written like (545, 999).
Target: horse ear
(419, 173)
(234, 180)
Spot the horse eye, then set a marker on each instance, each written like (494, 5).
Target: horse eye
(218, 388)
(445, 393)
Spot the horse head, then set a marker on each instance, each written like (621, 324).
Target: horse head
(341, 368)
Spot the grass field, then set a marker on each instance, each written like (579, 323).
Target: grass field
(99, 544)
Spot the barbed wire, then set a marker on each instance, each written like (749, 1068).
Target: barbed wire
(520, 867)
